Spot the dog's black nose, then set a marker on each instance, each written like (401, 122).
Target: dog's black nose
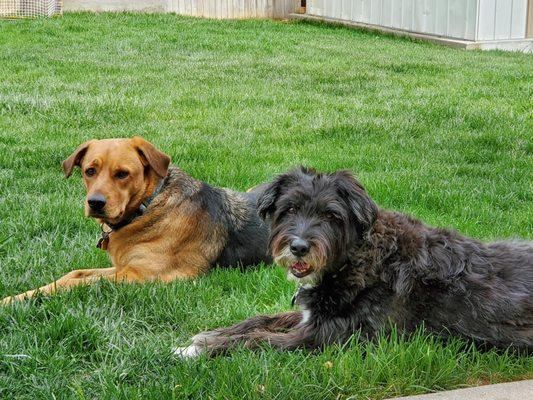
(299, 247)
(96, 202)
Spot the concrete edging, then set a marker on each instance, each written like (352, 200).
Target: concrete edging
(522, 45)
(520, 390)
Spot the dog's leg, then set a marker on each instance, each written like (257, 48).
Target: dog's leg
(280, 331)
(271, 323)
(294, 339)
(73, 278)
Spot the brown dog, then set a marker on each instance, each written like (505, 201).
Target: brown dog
(159, 223)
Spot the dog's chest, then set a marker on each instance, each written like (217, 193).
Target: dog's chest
(117, 251)
(128, 251)
(370, 308)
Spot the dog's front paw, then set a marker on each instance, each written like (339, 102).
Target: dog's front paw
(204, 342)
(19, 297)
(189, 352)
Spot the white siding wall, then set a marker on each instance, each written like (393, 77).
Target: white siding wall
(116, 5)
(233, 8)
(462, 19)
(502, 19)
(198, 8)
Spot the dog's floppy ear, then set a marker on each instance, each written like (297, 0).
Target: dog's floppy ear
(360, 203)
(75, 158)
(156, 159)
(266, 203)
(267, 200)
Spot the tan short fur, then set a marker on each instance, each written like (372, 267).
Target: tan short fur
(176, 238)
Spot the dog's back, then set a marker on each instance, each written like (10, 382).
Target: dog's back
(234, 217)
(472, 289)
(496, 294)
(247, 234)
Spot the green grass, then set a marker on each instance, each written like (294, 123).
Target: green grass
(440, 133)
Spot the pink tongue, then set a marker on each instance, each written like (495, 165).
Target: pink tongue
(300, 266)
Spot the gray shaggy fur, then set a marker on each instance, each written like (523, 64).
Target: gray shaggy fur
(381, 269)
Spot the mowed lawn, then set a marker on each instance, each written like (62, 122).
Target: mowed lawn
(443, 134)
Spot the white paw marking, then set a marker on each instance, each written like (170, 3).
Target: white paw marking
(188, 352)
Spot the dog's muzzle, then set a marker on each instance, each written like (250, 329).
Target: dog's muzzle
(297, 265)
(96, 203)
(299, 248)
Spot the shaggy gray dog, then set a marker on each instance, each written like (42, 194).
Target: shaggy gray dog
(364, 269)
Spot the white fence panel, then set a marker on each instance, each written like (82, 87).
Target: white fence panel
(407, 14)
(502, 19)
(357, 7)
(375, 12)
(314, 7)
(396, 14)
(487, 14)
(386, 12)
(420, 16)
(116, 5)
(233, 8)
(471, 19)
(502, 23)
(461, 19)
(430, 20)
(518, 16)
(346, 9)
(198, 8)
(366, 10)
(441, 18)
(334, 8)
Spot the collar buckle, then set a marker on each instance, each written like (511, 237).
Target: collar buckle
(103, 242)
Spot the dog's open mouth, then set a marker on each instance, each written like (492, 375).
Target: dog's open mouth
(300, 269)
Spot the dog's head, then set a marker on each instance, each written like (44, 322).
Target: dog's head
(314, 219)
(119, 174)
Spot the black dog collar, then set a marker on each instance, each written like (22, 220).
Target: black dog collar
(104, 237)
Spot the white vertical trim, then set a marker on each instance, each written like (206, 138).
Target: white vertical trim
(447, 31)
(436, 18)
(476, 33)
(401, 15)
(413, 7)
(494, 22)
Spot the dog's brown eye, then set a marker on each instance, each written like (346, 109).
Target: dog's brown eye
(90, 171)
(122, 174)
(330, 215)
(291, 210)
